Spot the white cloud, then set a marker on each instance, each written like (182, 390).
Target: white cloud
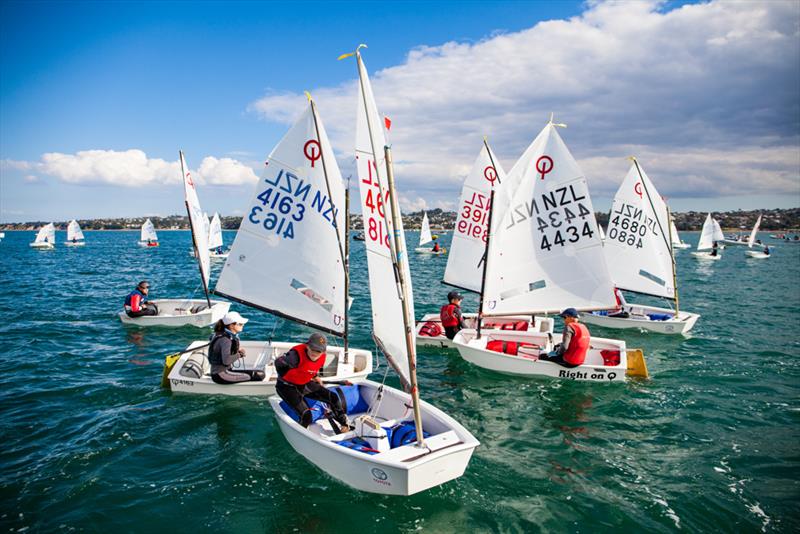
(225, 171)
(705, 95)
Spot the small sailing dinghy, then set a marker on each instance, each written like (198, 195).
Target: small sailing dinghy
(677, 243)
(289, 259)
(426, 237)
(640, 258)
(485, 181)
(544, 255)
(709, 235)
(188, 312)
(148, 237)
(215, 242)
(74, 235)
(755, 254)
(401, 445)
(46, 238)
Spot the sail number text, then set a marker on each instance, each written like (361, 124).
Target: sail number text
(473, 216)
(374, 226)
(283, 204)
(561, 217)
(629, 224)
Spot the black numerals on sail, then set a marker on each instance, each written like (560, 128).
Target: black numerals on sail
(561, 217)
(629, 224)
(283, 204)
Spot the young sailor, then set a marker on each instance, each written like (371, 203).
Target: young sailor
(571, 352)
(436, 247)
(298, 377)
(224, 351)
(452, 320)
(136, 304)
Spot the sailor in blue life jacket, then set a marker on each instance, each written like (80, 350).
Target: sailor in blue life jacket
(450, 314)
(298, 376)
(225, 350)
(766, 250)
(571, 352)
(136, 304)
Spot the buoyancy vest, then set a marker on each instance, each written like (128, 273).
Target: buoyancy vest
(306, 368)
(430, 329)
(213, 357)
(129, 299)
(448, 315)
(507, 347)
(578, 345)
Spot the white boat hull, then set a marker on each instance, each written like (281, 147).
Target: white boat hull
(681, 245)
(144, 244)
(474, 351)
(404, 470)
(75, 244)
(736, 243)
(259, 356)
(175, 313)
(756, 255)
(638, 318)
(42, 245)
(425, 250)
(539, 324)
(706, 256)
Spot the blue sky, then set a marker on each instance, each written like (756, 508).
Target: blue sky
(83, 84)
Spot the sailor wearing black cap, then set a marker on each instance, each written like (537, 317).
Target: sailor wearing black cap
(571, 352)
(452, 320)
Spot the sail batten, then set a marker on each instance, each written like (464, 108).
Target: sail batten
(286, 258)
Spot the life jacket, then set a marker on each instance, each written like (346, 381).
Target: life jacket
(430, 329)
(306, 369)
(506, 347)
(448, 315)
(213, 357)
(436, 247)
(519, 326)
(129, 299)
(578, 345)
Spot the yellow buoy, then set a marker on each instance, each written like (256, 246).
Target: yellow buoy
(636, 365)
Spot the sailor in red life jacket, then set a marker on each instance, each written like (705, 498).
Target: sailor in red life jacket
(136, 304)
(571, 352)
(452, 320)
(298, 377)
(436, 247)
(619, 311)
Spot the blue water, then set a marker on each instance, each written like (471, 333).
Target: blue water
(91, 442)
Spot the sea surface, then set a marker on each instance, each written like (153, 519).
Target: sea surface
(90, 441)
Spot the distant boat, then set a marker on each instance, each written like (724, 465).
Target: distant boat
(148, 237)
(709, 236)
(74, 235)
(756, 254)
(215, 238)
(426, 237)
(676, 239)
(46, 238)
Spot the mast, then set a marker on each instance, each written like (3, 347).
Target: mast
(346, 270)
(674, 266)
(343, 254)
(194, 241)
(488, 237)
(398, 265)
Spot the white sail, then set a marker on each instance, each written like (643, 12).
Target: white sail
(215, 233)
(287, 258)
(718, 235)
(148, 231)
(468, 247)
(602, 232)
(46, 234)
(425, 232)
(752, 239)
(199, 222)
(387, 312)
(74, 231)
(545, 253)
(706, 234)
(638, 250)
(676, 239)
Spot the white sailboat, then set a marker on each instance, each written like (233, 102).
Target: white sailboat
(677, 243)
(709, 235)
(74, 235)
(148, 237)
(46, 238)
(426, 237)
(187, 312)
(486, 181)
(640, 258)
(545, 255)
(759, 255)
(438, 448)
(215, 238)
(289, 258)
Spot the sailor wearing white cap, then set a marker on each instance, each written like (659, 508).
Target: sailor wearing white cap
(224, 350)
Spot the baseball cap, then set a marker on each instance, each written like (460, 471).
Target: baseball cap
(569, 312)
(233, 317)
(317, 342)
